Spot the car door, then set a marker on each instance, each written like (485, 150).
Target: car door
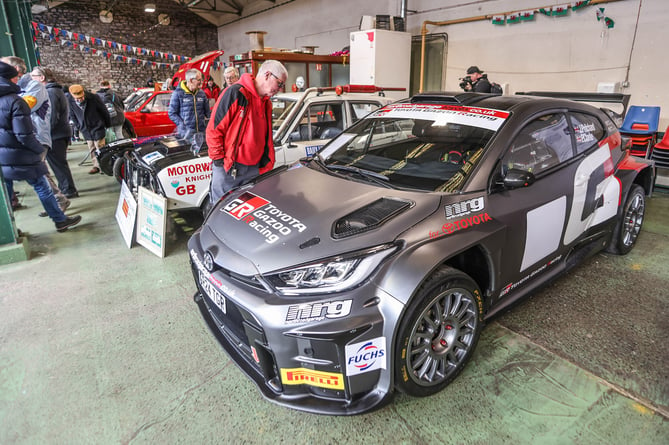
(573, 190)
(153, 117)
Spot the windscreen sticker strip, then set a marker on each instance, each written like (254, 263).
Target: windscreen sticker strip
(443, 114)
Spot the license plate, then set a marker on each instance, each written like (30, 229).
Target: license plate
(212, 292)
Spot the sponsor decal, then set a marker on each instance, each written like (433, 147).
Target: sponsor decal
(152, 157)
(366, 356)
(174, 183)
(190, 169)
(312, 149)
(464, 223)
(464, 207)
(310, 312)
(511, 286)
(262, 216)
(304, 376)
(443, 114)
(203, 270)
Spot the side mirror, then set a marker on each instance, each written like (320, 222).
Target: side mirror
(515, 178)
(145, 110)
(294, 136)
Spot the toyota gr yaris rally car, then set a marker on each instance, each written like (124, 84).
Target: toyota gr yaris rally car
(374, 264)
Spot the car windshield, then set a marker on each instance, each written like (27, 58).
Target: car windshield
(415, 146)
(281, 108)
(137, 101)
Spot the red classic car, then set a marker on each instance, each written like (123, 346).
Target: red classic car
(146, 114)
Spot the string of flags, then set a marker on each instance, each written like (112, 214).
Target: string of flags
(552, 11)
(82, 42)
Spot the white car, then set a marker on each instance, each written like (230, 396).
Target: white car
(303, 122)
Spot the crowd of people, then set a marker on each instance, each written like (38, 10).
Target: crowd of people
(40, 118)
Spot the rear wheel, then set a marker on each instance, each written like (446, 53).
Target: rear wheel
(629, 225)
(119, 169)
(438, 334)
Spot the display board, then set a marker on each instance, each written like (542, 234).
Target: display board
(126, 214)
(151, 221)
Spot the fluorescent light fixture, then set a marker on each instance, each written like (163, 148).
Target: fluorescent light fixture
(150, 7)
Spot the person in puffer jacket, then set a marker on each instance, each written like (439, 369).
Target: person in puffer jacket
(189, 106)
(239, 136)
(21, 154)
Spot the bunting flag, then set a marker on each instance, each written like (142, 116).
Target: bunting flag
(498, 20)
(561, 10)
(513, 17)
(608, 22)
(526, 15)
(545, 11)
(54, 33)
(579, 4)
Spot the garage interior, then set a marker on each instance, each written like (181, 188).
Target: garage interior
(104, 344)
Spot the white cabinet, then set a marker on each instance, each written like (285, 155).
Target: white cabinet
(381, 58)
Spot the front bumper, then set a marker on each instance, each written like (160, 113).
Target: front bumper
(326, 354)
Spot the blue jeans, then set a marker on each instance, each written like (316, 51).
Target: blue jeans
(48, 199)
(222, 182)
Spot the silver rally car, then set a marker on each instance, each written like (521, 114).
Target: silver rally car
(373, 265)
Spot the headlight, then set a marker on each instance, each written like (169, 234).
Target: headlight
(331, 275)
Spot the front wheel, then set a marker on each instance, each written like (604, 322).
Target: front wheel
(119, 169)
(629, 225)
(438, 333)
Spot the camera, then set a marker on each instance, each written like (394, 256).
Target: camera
(466, 81)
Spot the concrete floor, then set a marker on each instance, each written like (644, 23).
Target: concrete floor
(104, 344)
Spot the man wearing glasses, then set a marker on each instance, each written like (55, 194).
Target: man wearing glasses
(239, 135)
(189, 105)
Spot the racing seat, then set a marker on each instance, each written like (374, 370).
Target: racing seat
(330, 132)
(660, 152)
(640, 125)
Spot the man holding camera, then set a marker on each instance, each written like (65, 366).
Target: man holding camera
(475, 81)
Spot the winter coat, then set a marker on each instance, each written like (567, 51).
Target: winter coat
(20, 151)
(188, 110)
(91, 117)
(37, 98)
(109, 96)
(241, 129)
(60, 112)
(213, 92)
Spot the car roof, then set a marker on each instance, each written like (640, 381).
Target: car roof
(513, 103)
(328, 95)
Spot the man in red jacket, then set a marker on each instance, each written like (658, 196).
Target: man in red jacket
(239, 135)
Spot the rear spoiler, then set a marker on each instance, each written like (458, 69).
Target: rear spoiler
(616, 98)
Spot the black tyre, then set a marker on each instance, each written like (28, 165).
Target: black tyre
(119, 169)
(206, 206)
(128, 130)
(438, 334)
(629, 224)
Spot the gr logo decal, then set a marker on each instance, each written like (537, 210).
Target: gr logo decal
(245, 204)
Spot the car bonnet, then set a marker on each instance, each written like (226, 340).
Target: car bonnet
(303, 215)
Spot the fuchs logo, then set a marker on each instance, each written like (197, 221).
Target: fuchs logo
(464, 207)
(175, 184)
(309, 312)
(366, 356)
(245, 204)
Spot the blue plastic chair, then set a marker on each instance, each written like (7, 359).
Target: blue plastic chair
(640, 125)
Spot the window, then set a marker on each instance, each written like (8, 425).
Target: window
(587, 129)
(540, 145)
(161, 102)
(362, 109)
(321, 121)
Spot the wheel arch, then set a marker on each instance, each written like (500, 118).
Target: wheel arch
(405, 276)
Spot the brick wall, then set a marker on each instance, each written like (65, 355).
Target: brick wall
(186, 35)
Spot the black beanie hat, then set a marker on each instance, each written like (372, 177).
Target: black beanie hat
(7, 71)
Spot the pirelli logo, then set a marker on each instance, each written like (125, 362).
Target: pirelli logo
(303, 376)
